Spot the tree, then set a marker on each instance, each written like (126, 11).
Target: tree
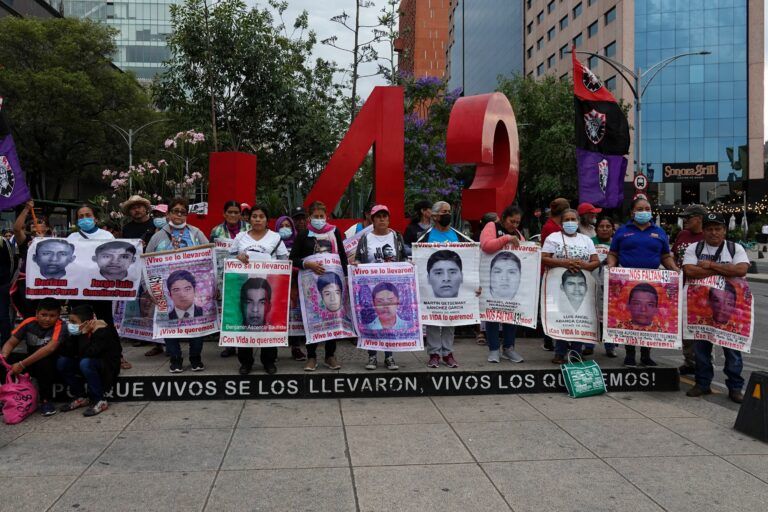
(59, 86)
(387, 33)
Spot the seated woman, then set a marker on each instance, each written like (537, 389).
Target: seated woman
(91, 354)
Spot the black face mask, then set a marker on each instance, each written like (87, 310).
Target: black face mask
(445, 219)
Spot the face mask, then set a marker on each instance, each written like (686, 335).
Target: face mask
(445, 219)
(643, 217)
(73, 329)
(285, 233)
(86, 223)
(318, 223)
(178, 226)
(570, 227)
(159, 222)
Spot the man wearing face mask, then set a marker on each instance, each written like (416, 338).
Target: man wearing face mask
(588, 219)
(86, 226)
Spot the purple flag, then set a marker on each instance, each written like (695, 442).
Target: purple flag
(13, 186)
(601, 178)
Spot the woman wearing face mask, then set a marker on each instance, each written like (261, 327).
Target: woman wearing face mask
(86, 226)
(641, 244)
(159, 221)
(319, 237)
(91, 354)
(286, 228)
(602, 241)
(574, 251)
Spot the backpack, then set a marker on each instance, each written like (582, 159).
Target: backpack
(728, 243)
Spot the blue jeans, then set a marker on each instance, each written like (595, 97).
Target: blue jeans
(73, 371)
(173, 347)
(563, 347)
(492, 335)
(372, 353)
(705, 371)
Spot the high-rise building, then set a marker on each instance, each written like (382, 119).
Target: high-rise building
(485, 41)
(143, 27)
(423, 37)
(29, 9)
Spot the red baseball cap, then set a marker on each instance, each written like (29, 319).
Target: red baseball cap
(587, 208)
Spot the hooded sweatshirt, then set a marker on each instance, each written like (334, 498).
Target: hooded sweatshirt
(288, 241)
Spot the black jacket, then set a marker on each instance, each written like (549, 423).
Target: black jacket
(173, 316)
(412, 233)
(304, 246)
(103, 344)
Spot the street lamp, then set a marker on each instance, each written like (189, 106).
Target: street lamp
(128, 136)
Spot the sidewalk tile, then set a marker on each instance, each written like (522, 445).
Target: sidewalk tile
(187, 415)
(389, 411)
(10, 432)
(115, 418)
(138, 492)
(757, 465)
(629, 438)
(393, 445)
(167, 450)
(46, 453)
(562, 407)
(272, 448)
(443, 487)
(651, 406)
(33, 493)
(296, 490)
(566, 485)
(715, 408)
(486, 408)
(694, 483)
(290, 413)
(519, 440)
(715, 438)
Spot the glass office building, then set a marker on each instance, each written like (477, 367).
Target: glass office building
(143, 28)
(695, 111)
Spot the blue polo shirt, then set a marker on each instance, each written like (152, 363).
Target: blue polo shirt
(640, 248)
(439, 237)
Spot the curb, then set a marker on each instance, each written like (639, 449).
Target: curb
(757, 279)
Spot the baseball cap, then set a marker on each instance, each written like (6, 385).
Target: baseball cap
(587, 208)
(162, 208)
(244, 207)
(379, 208)
(693, 210)
(299, 211)
(714, 218)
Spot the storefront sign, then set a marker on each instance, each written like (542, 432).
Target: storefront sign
(678, 172)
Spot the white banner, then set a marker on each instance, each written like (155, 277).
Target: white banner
(83, 269)
(448, 276)
(510, 282)
(568, 306)
(325, 301)
(134, 319)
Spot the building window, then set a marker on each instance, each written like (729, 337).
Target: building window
(528, 4)
(592, 30)
(530, 27)
(563, 49)
(551, 6)
(539, 17)
(592, 62)
(564, 76)
(610, 15)
(550, 61)
(610, 50)
(577, 10)
(551, 34)
(529, 51)
(539, 43)
(563, 22)
(540, 70)
(610, 84)
(591, 2)
(578, 40)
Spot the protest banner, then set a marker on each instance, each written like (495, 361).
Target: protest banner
(448, 276)
(221, 250)
(642, 307)
(134, 318)
(385, 306)
(568, 305)
(719, 310)
(183, 286)
(324, 301)
(295, 323)
(351, 243)
(510, 282)
(84, 269)
(602, 254)
(255, 303)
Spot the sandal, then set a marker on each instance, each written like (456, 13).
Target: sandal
(124, 364)
(154, 351)
(481, 339)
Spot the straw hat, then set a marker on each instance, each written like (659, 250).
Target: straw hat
(136, 199)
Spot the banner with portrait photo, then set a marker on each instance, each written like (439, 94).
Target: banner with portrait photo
(719, 310)
(569, 306)
(385, 306)
(221, 250)
(325, 301)
(183, 286)
(134, 318)
(510, 282)
(602, 254)
(642, 307)
(84, 269)
(351, 243)
(255, 302)
(448, 276)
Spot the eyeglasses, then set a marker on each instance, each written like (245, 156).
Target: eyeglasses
(179, 212)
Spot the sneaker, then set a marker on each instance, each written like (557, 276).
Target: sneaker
(297, 354)
(311, 365)
(611, 353)
(736, 396)
(48, 409)
(197, 366)
(696, 391)
(176, 366)
(97, 408)
(509, 353)
(270, 369)
(391, 364)
(548, 345)
(245, 369)
(74, 404)
(647, 361)
(630, 362)
(686, 370)
(228, 352)
(493, 356)
(434, 361)
(332, 364)
(450, 361)
(372, 363)
(558, 359)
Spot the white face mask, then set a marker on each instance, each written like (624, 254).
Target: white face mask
(178, 226)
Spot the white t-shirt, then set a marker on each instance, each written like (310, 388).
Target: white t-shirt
(100, 234)
(709, 252)
(381, 248)
(588, 230)
(562, 246)
(270, 246)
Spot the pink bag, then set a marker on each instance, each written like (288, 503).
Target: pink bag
(18, 396)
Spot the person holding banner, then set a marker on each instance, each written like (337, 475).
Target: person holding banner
(713, 256)
(319, 237)
(602, 240)
(505, 277)
(287, 229)
(86, 226)
(379, 246)
(137, 208)
(421, 222)
(641, 244)
(367, 221)
(575, 252)
(24, 232)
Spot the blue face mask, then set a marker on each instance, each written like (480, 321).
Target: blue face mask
(159, 222)
(87, 224)
(570, 226)
(285, 233)
(318, 223)
(643, 217)
(73, 329)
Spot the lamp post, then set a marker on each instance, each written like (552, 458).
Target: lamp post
(128, 136)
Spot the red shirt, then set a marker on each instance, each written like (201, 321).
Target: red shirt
(682, 241)
(548, 228)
